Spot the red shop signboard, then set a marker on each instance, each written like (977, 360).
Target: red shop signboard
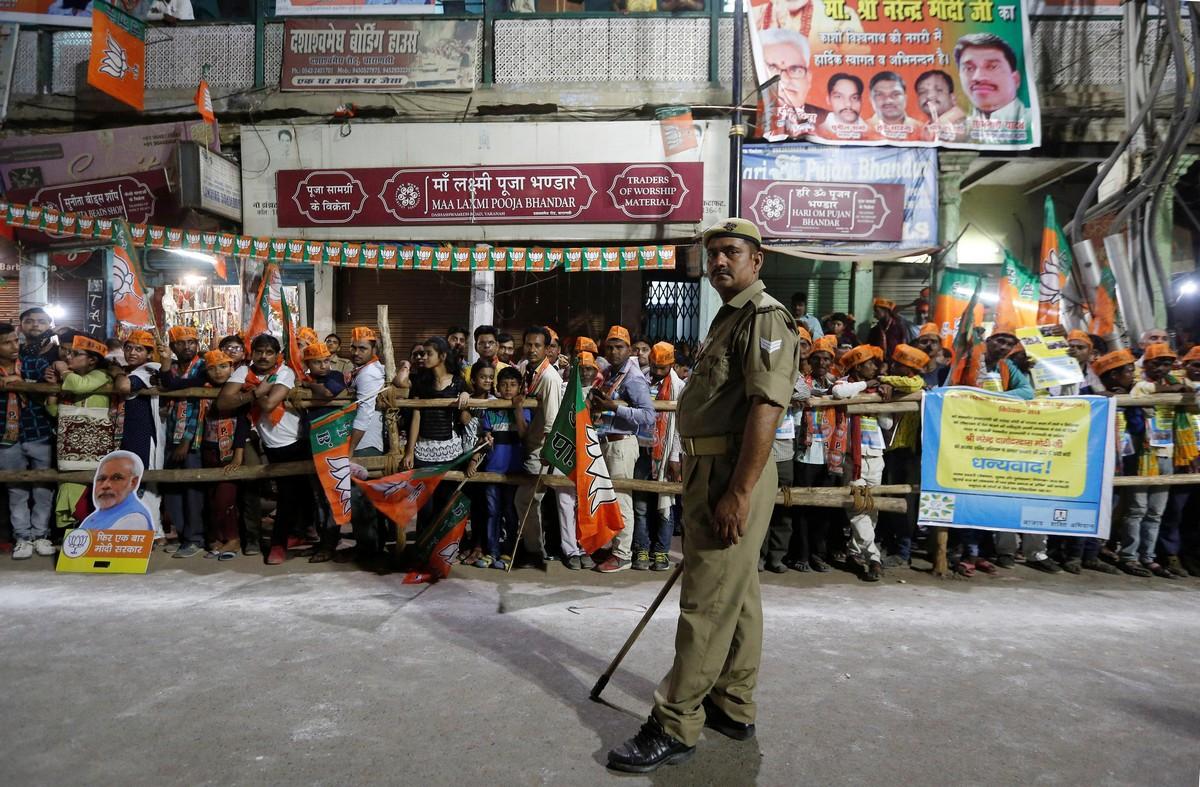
(530, 194)
(833, 211)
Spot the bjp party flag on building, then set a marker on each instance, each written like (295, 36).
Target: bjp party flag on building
(1018, 303)
(117, 65)
(434, 552)
(131, 300)
(330, 440)
(573, 447)
(204, 102)
(1056, 264)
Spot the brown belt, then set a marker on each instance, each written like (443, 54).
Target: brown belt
(612, 438)
(714, 445)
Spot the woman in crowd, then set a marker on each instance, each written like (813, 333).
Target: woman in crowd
(439, 432)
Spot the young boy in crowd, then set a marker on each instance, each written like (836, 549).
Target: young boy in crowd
(324, 382)
(483, 386)
(808, 550)
(856, 450)
(26, 445)
(222, 444)
(504, 429)
(184, 502)
(903, 456)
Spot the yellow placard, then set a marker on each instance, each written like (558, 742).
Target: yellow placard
(106, 551)
(1035, 448)
(1052, 365)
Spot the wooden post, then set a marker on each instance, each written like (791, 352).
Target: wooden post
(386, 353)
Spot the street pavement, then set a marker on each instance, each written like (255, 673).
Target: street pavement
(241, 673)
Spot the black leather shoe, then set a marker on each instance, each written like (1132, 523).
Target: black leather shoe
(716, 719)
(651, 748)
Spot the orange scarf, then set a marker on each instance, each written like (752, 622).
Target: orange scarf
(12, 408)
(532, 384)
(355, 372)
(662, 421)
(252, 382)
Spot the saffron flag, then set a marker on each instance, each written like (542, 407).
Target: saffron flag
(1104, 303)
(1018, 304)
(399, 496)
(434, 552)
(573, 447)
(968, 349)
(1056, 264)
(131, 300)
(330, 440)
(291, 345)
(204, 102)
(117, 65)
(954, 290)
(678, 129)
(272, 315)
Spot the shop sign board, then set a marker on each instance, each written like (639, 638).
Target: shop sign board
(355, 7)
(836, 211)
(209, 182)
(526, 193)
(139, 198)
(381, 54)
(845, 200)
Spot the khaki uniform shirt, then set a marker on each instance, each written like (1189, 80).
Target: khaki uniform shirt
(751, 351)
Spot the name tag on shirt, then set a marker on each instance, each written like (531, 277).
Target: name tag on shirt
(872, 435)
(1162, 428)
(990, 381)
(786, 430)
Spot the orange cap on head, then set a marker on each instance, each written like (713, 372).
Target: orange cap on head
(662, 354)
(910, 356)
(860, 354)
(1112, 360)
(180, 333)
(619, 333)
(141, 339)
(315, 352)
(88, 344)
(1192, 354)
(1156, 351)
(826, 344)
(553, 334)
(363, 333)
(1080, 336)
(885, 303)
(215, 358)
(803, 333)
(585, 344)
(587, 359)
(307, 334)
(930, 329)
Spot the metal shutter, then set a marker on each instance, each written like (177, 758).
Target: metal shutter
(827, 283)
(10, 299)
(902, 283)
(574, 304)
(421, 303)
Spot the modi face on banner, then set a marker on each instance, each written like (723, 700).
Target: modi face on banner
(114, 493)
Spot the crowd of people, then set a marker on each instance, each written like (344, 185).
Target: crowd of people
(253, 419)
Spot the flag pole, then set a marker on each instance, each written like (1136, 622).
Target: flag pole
(537, 485)
(450, 501)
(637, 632)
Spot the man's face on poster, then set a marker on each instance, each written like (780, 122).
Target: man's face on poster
(787, 60)
(845, 101)
(888, 97)
(115, 481)
(935, 96)
(990, 81)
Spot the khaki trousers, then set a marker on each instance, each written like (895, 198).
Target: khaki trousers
(718, 642)
(621, 457)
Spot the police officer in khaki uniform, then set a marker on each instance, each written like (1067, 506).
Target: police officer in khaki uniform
(728, 413)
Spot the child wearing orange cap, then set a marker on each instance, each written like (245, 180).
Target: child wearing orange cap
(902, 459)
(659, 459)
(856, 451)
(142, 421)
(222, 444)
(326, 382)
(808, 549)
(184, 503)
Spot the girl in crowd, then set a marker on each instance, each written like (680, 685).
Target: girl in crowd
(438, 432)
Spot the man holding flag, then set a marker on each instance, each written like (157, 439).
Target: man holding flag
(728, 414)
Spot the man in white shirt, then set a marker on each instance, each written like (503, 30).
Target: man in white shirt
(367, 380)
(541, 381)
(265, 384)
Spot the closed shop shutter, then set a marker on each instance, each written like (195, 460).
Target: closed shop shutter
(902, 283)
(574, 304)
(827, 283)
(420, 303)
(70, 292)
(10, 299)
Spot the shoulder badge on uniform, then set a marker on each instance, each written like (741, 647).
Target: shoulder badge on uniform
(770, 346)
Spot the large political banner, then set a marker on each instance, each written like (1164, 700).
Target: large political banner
(954, 73)
(995, 462)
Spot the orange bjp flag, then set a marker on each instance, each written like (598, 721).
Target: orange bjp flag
(204, 102)
(117, 65)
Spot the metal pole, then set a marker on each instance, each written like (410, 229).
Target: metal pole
(737, 131)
